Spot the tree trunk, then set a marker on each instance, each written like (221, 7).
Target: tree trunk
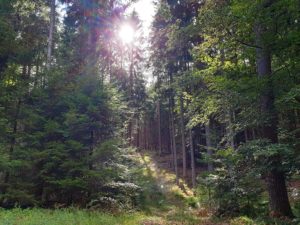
(192, 159)
(138, 134)
(174, 151)
(246, 135)
(174, 146)
(278, 197)
(182, 138)
(230, 133)
(91, 149)
(37, 71)
(129, 131)
(145, 134)
(208, 145)
(171, 139)
(253, 134)
(51, 30)
(159, 128)
(296, 118)
(275, 179)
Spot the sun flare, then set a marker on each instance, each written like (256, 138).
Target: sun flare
(126, 33)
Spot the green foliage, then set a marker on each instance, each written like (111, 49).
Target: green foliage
(60, 126)
(150, 196)
(259, 152)
(234, 188)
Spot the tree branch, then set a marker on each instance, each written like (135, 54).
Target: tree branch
(242, 42)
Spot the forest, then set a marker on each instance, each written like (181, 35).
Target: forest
(191, 119)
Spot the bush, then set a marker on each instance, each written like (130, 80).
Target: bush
(234, 188)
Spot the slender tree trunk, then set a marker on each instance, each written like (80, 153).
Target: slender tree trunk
(231, 129)
(253, 134)
(91, 149)
(171, 139)
(28, 72)
(174, 146)
(51, 31)
(275, 179)
(159, 128)
(110, 62)
(149, 135)
(138, 134)
(296, 118)
(192, 159)
(37, 71)
(142, 134)
(208, 145)
(230, 133)
(183, 149)
(145, 134)
(246, 135)
(130, 131)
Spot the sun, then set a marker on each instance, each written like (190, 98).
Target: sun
(126, 33)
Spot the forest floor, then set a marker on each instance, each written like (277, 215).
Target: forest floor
(164, 203)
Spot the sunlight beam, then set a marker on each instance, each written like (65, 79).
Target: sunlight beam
(126, 33)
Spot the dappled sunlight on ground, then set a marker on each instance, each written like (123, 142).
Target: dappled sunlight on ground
(176, 196)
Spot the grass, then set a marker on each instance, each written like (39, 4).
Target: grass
(73, 216)
(66, 217)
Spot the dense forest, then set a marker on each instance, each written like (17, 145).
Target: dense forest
(97, 115)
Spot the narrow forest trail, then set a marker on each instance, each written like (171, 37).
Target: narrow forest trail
(176, 198)
(166, 179)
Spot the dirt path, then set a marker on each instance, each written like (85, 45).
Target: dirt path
(177, 210)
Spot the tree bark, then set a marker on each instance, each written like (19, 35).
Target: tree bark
(171, 139)
(246, 135)
(130, 131)
(145, 134)
(192, 159)
(183, 149)
(275, 179)
(91, 149)
(208, 145)
(296, 118)
(159, 128)
(230, 133)
(253, 134)
(174, 146)
(138, 135)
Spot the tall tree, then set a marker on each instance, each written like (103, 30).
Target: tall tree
(279, 202)
(51, 32)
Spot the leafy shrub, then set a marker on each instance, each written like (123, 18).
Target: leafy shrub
(105, 204)
(192, 201)
(234, 188)
(17, 198)
(114, 188)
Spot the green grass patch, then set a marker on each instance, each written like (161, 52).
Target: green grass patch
(66, 217)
